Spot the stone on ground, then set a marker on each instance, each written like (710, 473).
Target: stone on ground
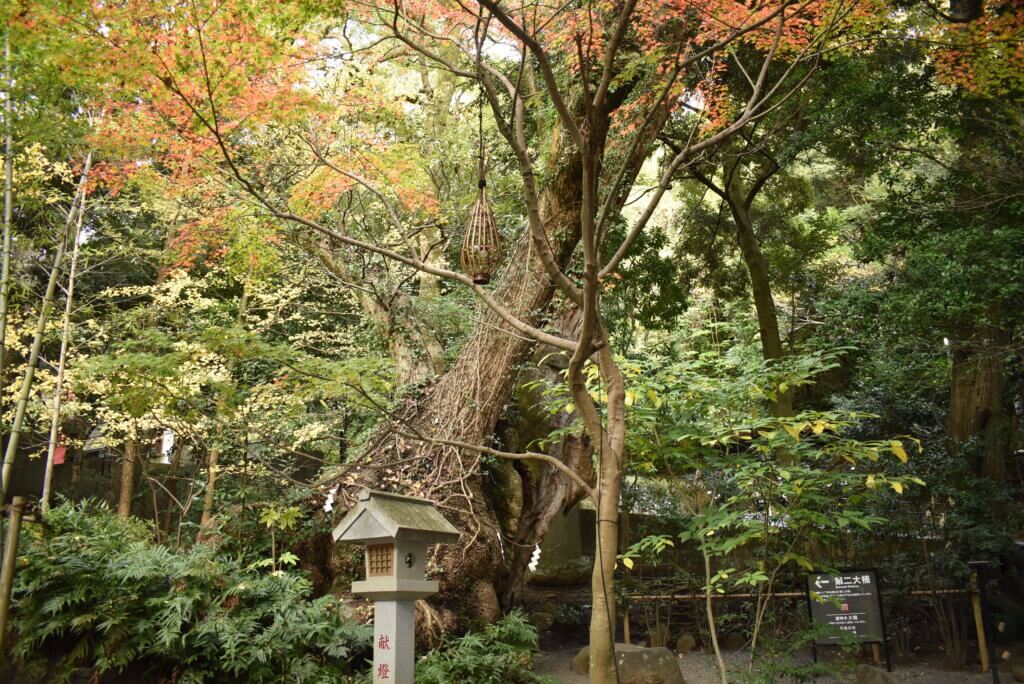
(541, 620)
(581, 661)
(647, 665)
(734, 641)
(872, 675)
(637, 665)
(685, 643)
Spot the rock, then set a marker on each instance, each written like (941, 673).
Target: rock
(581, 661)
(685, 643)
(647, 665)
(872, 675)
(1018, 671)
(634, 661)
(541, 620)
(570, 573)
(734, 641)
(548, 607)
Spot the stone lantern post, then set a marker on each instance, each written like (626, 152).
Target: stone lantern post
(397, 532)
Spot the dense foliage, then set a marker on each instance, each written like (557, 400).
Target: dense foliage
(502, 652)
(95, 591)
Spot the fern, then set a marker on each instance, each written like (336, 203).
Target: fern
(501, 654)
(94, 592)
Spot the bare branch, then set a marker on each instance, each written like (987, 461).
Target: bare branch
(545, 68)
(610, 52)
(513, 456)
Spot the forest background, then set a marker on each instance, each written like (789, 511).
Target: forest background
(760, 278)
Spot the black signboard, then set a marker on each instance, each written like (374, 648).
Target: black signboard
(848, 601)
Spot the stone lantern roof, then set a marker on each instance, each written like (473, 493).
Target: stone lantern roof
(384, 517)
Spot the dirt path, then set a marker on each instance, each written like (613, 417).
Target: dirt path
(700, 668)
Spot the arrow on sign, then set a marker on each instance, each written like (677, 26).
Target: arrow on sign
(818, 582)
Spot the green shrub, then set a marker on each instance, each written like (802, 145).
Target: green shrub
(95, 592)
(501, 654)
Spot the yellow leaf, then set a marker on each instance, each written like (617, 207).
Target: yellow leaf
(870, 481)
(630, 397)
(570, 407)
(628, 562)
(897, 487)
(819, 427)
(897, 448)
(793, 430)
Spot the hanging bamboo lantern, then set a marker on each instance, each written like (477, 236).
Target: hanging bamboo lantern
(481, 247)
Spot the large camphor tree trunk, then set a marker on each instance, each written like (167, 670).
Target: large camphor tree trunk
(528, 495)
(976, 402)
(466, 402)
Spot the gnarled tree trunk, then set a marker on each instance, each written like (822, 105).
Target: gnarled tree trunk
(531, 493)
(465, 404)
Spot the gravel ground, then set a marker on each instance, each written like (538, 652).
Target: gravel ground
(700, 668)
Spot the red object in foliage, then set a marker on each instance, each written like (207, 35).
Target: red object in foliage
(59, 453)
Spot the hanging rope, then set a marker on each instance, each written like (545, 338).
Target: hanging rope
(481, 247)
(481, 178)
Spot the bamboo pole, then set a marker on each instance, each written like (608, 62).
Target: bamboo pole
(11, 453)
(58, 392)
(5, 270)
(7, 572)
(979, 623)
(777, 594)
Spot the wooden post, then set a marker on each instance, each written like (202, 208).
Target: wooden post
(979, 623)
(625, 624)
(876, 654)
(7, 573)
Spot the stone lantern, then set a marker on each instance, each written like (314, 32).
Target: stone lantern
(397, 531)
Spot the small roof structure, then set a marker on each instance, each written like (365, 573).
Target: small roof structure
(383, 516)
